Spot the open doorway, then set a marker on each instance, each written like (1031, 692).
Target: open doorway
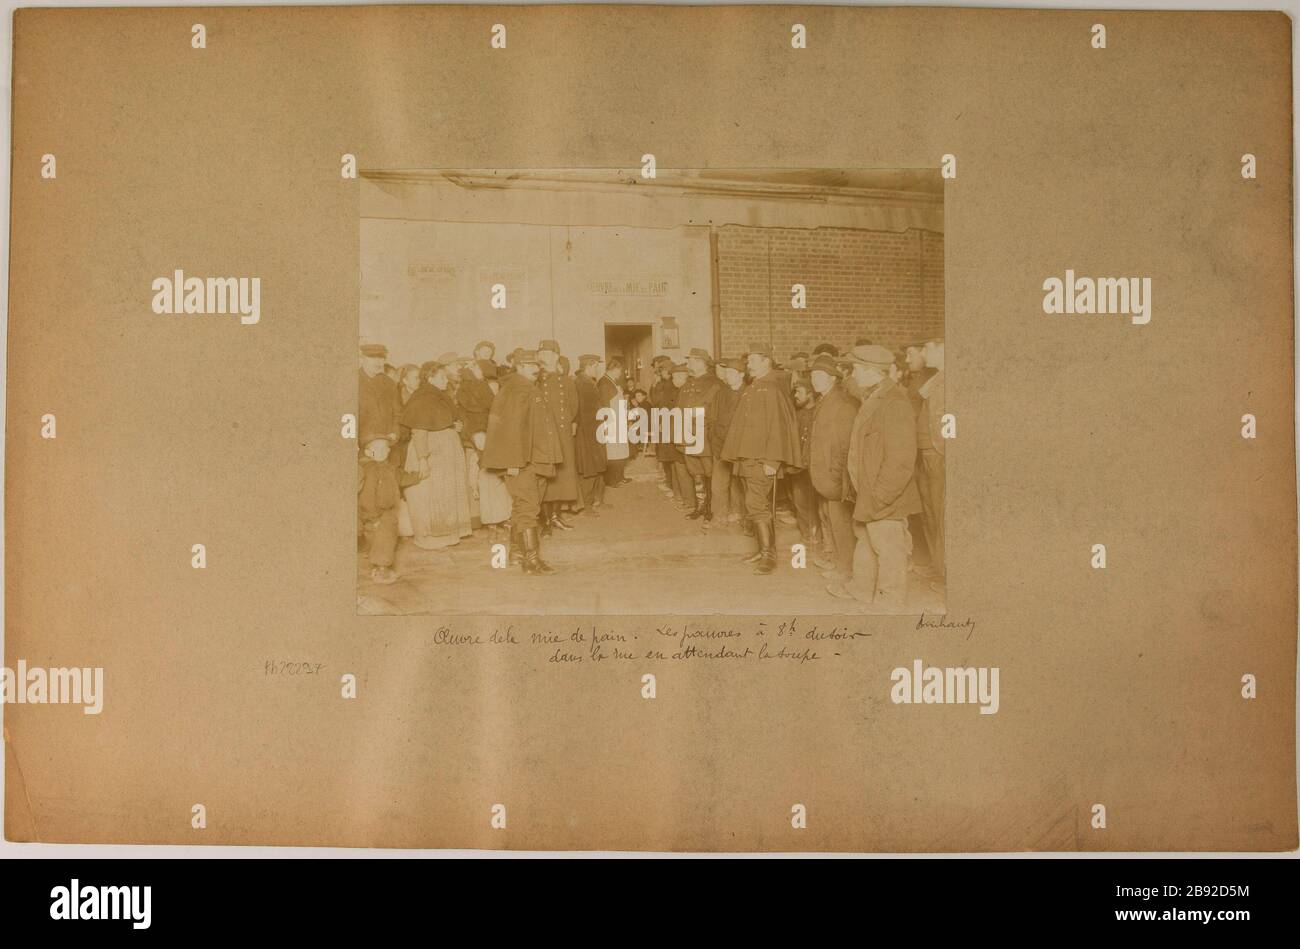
(634, 344)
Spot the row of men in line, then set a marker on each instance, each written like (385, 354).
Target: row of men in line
(853, 440)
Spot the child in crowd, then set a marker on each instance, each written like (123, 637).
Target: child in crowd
(379, 487)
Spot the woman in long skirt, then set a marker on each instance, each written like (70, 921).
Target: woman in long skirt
(439, 502)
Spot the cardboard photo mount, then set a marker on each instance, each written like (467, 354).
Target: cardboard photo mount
(1164, 153)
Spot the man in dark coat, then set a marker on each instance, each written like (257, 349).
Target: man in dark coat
(802, 496)
(474, 401)
(698, 395)
(589, 452)
(611, 393)
(918, 374)
(727, 491)
(932, 443)
(663, 395)
(380, 402)
(763, 441)
(828, 455)
(523, 441)
(881, 466)
(673, 449)
(561, 398)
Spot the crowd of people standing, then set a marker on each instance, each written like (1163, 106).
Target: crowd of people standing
(848, 446)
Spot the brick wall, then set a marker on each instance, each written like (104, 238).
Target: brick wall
(879, 284)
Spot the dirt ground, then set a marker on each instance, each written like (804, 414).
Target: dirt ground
(639, 555)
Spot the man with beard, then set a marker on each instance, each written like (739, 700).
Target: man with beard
(561, 398)
(763, 442)
(881, 464)
(700, 391)
(522, 440)
(589, 451)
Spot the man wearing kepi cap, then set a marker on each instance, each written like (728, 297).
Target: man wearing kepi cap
(561, 398)
(727, 491)
(880, 466)
(523, 441)
(699, 392)
(663, 396)
(763, 441)
(590, 453)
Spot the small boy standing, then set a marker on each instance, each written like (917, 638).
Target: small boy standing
(379, 487)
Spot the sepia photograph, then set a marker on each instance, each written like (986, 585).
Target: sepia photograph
(651, 391)
(651, 436)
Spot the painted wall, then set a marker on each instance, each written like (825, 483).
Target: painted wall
(426, 285)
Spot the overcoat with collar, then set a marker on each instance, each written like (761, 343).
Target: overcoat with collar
(882, 456)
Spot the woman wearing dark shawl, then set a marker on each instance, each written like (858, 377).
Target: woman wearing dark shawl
(439, 502)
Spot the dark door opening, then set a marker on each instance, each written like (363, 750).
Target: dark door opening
(634, 344)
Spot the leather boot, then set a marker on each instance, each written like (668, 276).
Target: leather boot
(696, 514)
(557, 520)
(757, 555)
(766, 561)
(708, 502)
(516, 550)
(545, 519)
(534, 565)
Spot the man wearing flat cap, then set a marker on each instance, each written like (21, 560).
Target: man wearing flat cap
(380, 402)
(590, 454)
(522, 440)
(700, 392)
(880, 468)
(561, 397)
(763, 442)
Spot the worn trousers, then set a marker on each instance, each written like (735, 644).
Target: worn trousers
(591, 489)
(683, 486)
(526, 492)
(880, 562)
(930, 484)
(839, 521)
(381, 536)
(614, 471)
(728, 491)
(759, 488)
(804, 500)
